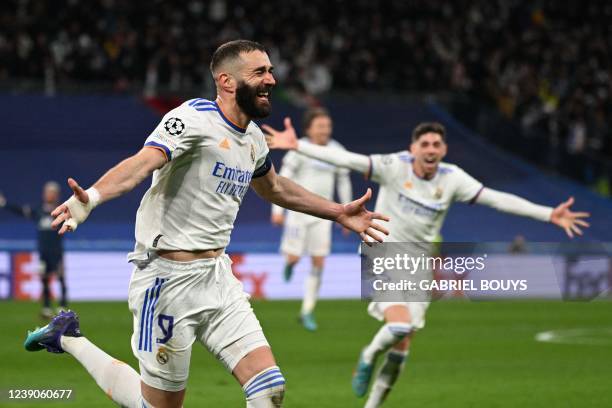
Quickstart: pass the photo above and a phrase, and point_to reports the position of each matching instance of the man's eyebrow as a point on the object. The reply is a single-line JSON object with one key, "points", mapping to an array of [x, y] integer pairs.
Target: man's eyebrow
{"points": [[263, 68]]}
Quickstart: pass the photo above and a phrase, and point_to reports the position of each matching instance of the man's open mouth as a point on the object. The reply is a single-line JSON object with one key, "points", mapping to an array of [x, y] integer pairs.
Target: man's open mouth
{"points": [[263, 96]]}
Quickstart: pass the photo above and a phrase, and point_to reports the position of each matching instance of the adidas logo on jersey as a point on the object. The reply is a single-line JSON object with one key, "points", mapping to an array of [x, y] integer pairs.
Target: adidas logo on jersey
{"points": [[224, 144]]}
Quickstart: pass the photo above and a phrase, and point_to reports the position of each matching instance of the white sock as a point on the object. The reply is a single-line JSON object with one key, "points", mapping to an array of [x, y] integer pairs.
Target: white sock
{"points": [[387, 336], [385, 378], [266, 389], [311, 290], [117, 379]]}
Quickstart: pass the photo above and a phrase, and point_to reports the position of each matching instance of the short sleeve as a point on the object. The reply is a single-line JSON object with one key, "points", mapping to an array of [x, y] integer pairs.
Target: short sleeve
{"points": [[467, 187], [175, 134], [383, 167]]}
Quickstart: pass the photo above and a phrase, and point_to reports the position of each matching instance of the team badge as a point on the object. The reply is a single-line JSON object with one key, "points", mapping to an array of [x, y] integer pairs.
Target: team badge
{"points": [[174, 127], [438, 193], [162, 357], [252, 153]]}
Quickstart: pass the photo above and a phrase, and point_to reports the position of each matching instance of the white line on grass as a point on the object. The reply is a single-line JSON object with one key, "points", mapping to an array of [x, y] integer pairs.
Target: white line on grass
{"points": [[589, 337]]}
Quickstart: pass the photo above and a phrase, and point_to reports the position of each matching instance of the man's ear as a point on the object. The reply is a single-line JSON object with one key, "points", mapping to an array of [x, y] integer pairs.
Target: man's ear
{"points": [[226, 82]]}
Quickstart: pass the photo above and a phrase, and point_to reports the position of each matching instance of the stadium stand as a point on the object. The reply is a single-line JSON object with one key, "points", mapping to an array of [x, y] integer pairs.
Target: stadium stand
{"points": [[552, 80]]}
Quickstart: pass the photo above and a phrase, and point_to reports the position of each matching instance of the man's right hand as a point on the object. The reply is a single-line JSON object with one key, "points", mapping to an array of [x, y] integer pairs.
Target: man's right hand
{"points": [[281, 139], [357, 218], [73, 211], [277, 219]]}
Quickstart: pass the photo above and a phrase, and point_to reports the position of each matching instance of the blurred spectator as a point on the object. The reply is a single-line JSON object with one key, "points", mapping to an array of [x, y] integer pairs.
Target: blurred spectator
{"points": [[518, 245]]}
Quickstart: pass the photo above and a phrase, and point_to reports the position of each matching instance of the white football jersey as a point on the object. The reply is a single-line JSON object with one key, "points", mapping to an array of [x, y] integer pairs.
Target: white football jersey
{"points": [[194, 198], [417, 207], [316, 176]]}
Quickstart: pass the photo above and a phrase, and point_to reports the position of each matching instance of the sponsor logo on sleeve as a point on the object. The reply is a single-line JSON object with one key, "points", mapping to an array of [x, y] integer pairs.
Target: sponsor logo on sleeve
{"points": [[166, 140]]}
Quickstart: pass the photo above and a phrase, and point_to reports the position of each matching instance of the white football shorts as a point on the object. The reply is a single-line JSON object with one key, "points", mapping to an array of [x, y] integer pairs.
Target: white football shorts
{"points": [[311, 237], [177, 303]]}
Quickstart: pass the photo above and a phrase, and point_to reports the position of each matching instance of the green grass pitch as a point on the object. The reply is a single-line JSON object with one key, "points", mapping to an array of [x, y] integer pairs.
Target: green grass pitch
{"points": [[470, 354]]}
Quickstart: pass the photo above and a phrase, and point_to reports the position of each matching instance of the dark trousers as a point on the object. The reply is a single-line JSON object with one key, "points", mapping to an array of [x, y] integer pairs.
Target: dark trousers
{"points": [[55, 267]]}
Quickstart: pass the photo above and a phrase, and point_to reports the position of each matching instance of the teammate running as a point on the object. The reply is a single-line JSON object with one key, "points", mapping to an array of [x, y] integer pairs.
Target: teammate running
{"points": [[304, 234], [203, 157], [416, 190]]}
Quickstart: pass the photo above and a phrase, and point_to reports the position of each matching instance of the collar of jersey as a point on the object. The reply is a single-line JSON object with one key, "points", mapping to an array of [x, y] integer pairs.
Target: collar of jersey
{"points": [[229, 122], [422, 178]]}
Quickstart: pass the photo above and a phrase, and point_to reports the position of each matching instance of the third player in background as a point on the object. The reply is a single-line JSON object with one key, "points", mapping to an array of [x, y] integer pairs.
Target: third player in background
{"points": [[302, 233]]}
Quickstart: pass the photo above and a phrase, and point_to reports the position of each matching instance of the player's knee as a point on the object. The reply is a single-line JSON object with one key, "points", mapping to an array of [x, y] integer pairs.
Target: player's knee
{"points": [[399, 330], [154, 397], [403, 345], [266, 389], [318, 262], [141, 402], [292, 259]]}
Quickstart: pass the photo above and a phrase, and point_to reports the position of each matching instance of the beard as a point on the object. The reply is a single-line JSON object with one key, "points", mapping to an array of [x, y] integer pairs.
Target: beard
{"points": [[246, 98]]}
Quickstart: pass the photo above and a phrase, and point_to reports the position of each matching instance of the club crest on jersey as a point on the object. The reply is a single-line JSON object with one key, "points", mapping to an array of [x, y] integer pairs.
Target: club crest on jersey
{"points": [[252, 153], [174, 127], [438, 193], [162, 356]]}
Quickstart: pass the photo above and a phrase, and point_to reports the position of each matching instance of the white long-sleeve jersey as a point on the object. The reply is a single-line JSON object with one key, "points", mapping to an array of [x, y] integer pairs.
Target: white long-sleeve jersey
{"points": [[418, 207], [317, 176]]}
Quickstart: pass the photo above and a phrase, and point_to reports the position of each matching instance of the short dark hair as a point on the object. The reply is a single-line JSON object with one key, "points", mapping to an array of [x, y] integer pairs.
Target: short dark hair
{"points": [[311, 114], [231, 50], [429, 127]]}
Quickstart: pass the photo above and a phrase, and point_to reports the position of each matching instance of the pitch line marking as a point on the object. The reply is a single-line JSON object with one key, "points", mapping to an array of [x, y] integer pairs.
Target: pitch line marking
{"points": [[587, 337]]}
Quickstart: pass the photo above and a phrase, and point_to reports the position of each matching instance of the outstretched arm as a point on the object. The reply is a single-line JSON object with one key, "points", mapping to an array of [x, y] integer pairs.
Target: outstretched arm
{"points": [[354, 216], [561, 216], [117, 181], [287, 140]]}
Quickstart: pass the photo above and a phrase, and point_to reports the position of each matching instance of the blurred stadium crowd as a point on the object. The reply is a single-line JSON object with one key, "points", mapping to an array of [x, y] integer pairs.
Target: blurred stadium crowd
{"points": [[546, 65]]}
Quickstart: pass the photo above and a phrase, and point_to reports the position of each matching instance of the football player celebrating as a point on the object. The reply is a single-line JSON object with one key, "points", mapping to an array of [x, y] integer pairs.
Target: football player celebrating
{"points": [[203, 156], [416, 190]]}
